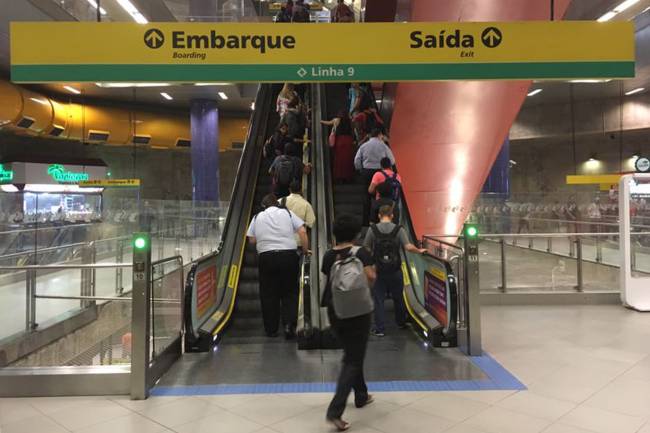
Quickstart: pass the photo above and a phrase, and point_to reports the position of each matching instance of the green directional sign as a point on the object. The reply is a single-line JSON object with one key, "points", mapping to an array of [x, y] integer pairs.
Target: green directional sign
{"points": [[6, 176]]}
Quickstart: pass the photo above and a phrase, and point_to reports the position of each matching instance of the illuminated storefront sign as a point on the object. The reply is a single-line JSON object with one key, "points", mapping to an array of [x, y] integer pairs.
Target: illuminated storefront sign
{"points": [[61, 175], [6, 176]]}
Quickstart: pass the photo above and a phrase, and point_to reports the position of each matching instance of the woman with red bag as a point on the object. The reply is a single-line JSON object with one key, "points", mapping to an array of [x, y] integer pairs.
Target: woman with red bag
{"points": [[341, 142]]}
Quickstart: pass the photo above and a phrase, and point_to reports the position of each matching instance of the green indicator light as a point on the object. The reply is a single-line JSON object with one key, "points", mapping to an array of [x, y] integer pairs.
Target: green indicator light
{"points": [[471, 231], [140, 243]]}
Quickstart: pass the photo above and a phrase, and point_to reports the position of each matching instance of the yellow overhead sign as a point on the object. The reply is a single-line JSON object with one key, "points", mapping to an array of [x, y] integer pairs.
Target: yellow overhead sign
{"points": [[326, 52], [111, 183], [593, 179]]}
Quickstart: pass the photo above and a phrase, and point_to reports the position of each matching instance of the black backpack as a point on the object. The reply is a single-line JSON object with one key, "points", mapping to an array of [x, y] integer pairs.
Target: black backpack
{"points": [[395, 186], [285, 171], [301, 14], [371, 122], [283, 16], [367, 99], [386, 250], [296, 122]]}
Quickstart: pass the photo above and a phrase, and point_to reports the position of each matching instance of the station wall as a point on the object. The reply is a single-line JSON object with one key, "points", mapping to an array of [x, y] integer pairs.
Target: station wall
{"points": [[551, 141], [165, 173]]}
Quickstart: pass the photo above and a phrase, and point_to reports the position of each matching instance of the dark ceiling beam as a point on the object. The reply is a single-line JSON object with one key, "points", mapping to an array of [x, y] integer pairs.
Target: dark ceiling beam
{"points": [[154, 10], [52, 10]]}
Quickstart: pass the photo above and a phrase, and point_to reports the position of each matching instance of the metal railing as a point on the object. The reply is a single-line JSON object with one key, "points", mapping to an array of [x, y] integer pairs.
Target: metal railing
{"points": [[87, 290], [572, 261]]}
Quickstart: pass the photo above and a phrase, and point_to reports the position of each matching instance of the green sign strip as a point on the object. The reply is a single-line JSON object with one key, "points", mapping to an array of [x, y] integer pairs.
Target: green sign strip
{"points": [[6, 176], [322, 73]]}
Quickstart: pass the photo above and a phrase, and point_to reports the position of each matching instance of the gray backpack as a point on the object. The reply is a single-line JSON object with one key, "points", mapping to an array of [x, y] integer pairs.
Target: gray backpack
{"points": [[350, 290]]}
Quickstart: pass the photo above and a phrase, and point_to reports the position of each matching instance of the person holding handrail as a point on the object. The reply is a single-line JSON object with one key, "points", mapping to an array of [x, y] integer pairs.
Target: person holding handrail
{"points": [[272, 232], [385, 240]]}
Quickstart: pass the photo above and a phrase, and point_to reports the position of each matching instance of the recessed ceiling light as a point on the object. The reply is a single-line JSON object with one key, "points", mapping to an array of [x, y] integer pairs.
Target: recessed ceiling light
{"points": [[133, 11], [93, 3], [535, 92], [124, 85], [72, 89], [617, 10], [223, 96], [625, 5], [166, 96], [635, 91], [40, 101], [606, 17], [589, 81]]}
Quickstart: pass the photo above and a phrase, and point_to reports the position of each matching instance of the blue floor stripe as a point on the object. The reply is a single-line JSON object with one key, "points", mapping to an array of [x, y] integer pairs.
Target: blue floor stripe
{"points": [[498, 379]]}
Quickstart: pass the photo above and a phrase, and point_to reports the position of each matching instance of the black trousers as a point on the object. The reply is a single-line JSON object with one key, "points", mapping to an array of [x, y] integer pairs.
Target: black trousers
{"points": [[279, 273], [367, 175], [353, 334]]}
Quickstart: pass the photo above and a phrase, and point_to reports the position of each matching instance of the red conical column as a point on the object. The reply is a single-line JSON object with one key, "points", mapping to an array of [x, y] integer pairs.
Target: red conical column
{"points": [[446, 135]]}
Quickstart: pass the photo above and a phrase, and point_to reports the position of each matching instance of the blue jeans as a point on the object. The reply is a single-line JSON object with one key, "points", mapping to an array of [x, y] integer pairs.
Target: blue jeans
{"points": [[393, 283]]}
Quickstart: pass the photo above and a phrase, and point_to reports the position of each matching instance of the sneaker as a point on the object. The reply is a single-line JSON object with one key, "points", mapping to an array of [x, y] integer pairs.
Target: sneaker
{"points": [[377, 333]]}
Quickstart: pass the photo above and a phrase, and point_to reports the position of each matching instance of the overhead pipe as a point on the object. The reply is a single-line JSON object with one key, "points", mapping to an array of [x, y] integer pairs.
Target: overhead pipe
{"points": [[30, 113]]}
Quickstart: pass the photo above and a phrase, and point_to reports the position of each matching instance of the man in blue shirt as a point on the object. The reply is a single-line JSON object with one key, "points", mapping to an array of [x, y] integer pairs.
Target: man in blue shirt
{"points": [[368, 161]]}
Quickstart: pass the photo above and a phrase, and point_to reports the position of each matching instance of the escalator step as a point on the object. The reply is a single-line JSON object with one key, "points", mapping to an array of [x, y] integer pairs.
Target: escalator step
{"points": [[245, 323], [250, 259], [248, 306], [250, 273], [248, 289], [354, 209]]}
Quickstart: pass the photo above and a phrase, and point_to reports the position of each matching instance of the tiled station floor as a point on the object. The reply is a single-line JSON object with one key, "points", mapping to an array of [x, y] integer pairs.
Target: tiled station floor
{"points": [[586, 369]]}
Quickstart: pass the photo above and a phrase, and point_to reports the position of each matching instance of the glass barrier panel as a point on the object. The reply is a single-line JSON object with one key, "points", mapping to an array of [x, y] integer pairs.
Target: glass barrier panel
{"points": [[640, 254], [609, 250], [529, 269], [489, 265], [417, 266], [166, 304], [13, 299], [600, 277]]}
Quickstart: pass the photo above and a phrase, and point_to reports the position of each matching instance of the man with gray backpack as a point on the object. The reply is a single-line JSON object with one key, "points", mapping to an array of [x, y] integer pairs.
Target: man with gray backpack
{"points": [[350, 274], [386, 240]]}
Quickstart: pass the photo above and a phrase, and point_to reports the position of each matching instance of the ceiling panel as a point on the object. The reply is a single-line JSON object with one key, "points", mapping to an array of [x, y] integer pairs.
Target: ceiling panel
{"points": [[240, 96]]}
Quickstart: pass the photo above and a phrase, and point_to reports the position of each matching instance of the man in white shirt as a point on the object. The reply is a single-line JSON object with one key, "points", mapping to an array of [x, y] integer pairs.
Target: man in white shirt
{"points": [[272, 232]]}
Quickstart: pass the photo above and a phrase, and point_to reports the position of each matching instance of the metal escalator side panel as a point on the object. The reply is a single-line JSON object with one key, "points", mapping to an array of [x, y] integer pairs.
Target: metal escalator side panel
{"points": [[230, 255], [311, 281], [325, 203], [409, 298]]}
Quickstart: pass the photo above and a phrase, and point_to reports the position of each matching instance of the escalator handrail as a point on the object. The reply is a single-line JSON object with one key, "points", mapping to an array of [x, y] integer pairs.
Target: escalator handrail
{"points": [[407, 223], [235, 223]]}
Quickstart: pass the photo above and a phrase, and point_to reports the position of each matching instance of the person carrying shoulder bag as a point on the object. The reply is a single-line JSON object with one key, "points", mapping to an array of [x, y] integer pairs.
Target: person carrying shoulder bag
{"points": [[350, 273]]}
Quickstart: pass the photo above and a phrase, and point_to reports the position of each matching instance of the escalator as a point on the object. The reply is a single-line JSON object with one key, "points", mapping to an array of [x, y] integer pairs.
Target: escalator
{"points": [[348, 198], [223, 321], [231, 315], [222, 294]]}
